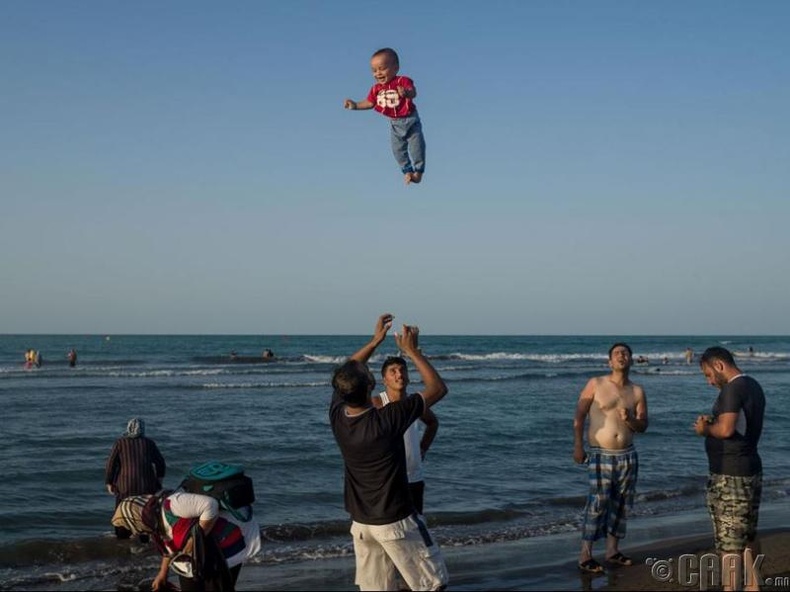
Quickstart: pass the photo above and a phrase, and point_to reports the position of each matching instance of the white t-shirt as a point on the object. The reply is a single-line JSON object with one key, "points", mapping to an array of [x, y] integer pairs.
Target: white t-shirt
{"points": [[411, 441], [203, 507]]}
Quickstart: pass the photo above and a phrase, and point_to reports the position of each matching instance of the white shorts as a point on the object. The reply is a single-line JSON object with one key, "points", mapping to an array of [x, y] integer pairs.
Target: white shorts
{"points": [[406, 545]]}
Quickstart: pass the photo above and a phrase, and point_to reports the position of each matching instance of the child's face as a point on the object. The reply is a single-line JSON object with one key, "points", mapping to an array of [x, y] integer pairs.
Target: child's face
{"points": [[384, 68]]}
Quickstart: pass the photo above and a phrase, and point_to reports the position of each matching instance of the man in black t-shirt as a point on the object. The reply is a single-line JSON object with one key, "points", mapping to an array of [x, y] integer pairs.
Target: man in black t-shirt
{"points": [[735, 468], [387, 531]]}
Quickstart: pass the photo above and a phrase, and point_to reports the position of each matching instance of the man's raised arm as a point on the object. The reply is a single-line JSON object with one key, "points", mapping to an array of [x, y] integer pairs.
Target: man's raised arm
{"points": [[383, 325], [434, 387]]}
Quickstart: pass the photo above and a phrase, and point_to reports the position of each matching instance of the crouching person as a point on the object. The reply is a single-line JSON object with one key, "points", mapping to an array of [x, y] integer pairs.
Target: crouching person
{"points": [[204, 545]]}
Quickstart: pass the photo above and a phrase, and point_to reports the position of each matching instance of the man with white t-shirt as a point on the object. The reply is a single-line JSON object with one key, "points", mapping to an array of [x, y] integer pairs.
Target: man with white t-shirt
{"points": [[395, 376]]}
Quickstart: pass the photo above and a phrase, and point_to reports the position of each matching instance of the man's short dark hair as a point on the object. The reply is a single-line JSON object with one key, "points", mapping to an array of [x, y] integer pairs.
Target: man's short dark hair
{"points": [[620, 344], [389, 52], [352, 381], [393, 361], [717, 353]]}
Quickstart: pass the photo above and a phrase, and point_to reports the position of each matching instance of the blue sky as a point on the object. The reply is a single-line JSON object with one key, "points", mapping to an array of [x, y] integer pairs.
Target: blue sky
{"points": [[592, 168]]}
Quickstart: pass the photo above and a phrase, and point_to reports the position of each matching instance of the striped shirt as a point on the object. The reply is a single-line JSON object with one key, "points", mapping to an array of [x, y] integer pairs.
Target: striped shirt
{"points": [[135, 467]]}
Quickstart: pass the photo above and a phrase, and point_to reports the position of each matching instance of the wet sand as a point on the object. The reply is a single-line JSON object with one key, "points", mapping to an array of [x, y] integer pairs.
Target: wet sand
{"points": [[646, 575], [549, 563], [494, 569]]}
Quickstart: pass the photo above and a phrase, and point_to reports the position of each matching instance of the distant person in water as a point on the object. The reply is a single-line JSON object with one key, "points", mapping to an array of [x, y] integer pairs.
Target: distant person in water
{"points": [[72, 357], [33, 358], [135, 467], [689, 355], [267, 353], [616, 409]]}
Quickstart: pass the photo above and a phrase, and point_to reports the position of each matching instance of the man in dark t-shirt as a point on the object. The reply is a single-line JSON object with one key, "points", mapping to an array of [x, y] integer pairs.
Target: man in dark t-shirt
{"points": [[735, 468], [387, 531]]}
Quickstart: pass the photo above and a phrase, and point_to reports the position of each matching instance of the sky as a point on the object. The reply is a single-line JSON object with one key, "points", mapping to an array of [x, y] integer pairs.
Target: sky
{"points": [[607, 167]]}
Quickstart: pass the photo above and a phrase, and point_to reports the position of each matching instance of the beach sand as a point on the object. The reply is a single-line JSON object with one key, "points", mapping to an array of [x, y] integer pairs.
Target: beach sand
{"points": [[494, 569], [775, 568], [549, 562]]}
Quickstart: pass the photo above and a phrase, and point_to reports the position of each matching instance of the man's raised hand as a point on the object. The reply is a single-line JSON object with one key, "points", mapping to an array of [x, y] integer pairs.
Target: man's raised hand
{"points": [[383, 325], [408, 340]]}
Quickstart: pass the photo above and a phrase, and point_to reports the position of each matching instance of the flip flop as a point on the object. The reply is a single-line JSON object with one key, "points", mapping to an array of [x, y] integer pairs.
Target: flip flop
{"points": [[619, 559], [591, 566]]}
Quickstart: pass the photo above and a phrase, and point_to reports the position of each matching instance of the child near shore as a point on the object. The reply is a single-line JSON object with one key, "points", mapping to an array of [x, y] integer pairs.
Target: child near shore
{"points": [[393, 96]]}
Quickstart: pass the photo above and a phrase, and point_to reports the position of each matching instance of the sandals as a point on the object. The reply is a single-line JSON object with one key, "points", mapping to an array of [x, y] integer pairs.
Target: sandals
{"points": [[619, 559], [591, 566]]}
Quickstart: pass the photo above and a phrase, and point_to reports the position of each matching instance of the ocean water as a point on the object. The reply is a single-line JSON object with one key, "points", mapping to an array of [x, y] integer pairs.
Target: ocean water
{"points": [[499, 470]]}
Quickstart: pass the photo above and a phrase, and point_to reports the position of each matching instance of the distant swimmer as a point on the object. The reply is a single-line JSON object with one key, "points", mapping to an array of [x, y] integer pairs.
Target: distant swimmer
{"points": [[393, 96], [689, 355], [267, 353], [72, 357]]}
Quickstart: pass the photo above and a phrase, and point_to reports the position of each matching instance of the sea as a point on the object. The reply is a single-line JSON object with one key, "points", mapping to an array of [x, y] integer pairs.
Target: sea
{"points": [[500, 469]]}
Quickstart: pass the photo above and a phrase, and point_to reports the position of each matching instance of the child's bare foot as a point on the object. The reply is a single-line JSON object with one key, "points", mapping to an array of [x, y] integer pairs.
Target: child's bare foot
{"points": [[408, 177], [416, 177]]}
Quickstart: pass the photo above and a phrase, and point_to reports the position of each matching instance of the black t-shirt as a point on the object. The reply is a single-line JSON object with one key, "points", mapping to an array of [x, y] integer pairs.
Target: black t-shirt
{"points": [[376, 482], [737, 455]]}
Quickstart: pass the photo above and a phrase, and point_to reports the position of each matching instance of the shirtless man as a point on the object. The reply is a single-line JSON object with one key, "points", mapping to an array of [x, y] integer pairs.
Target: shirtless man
{"points": [[617, 408]]}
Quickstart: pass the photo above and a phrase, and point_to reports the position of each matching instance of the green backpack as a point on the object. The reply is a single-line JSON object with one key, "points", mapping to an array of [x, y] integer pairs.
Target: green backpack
{"points": [[224, 482]]}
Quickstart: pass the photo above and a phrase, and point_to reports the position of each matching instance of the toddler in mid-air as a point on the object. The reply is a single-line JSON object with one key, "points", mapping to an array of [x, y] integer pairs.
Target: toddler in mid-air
{"points": [[393, 96]]}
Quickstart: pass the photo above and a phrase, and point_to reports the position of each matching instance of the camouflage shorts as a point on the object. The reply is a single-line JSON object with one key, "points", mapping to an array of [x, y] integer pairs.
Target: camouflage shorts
{"points": [[734, 506]]}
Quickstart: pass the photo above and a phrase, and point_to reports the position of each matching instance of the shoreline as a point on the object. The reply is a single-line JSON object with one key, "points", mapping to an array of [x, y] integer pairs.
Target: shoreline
{"points": [[534, 563], [549, 563]]}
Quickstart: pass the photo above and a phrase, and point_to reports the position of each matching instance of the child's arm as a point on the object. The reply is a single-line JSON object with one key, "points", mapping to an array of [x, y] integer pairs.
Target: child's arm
{"points": [[358, 105], [407, 92], [406, 88]]}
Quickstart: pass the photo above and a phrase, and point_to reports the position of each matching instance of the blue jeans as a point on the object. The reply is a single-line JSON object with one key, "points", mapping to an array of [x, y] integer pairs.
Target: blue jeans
{"points": [[406, 138]]}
